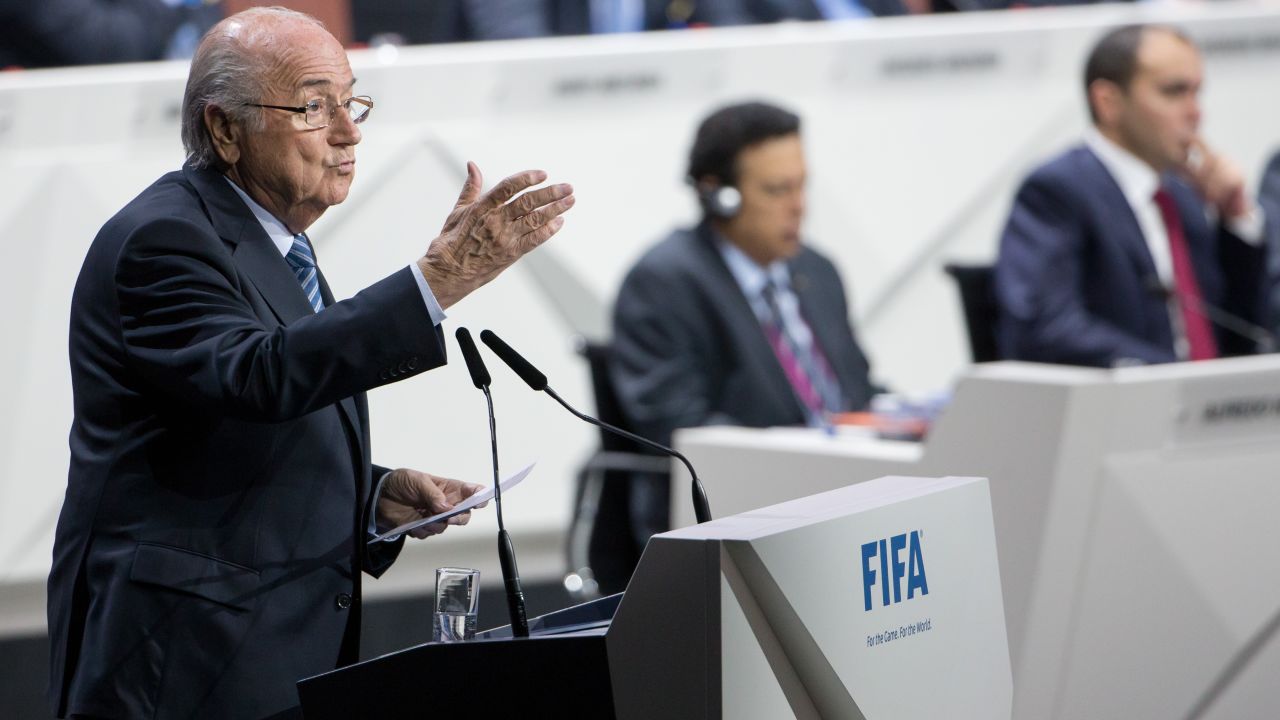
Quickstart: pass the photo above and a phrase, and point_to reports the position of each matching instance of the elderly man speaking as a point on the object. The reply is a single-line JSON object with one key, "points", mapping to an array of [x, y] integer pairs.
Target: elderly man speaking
{"points": [[221, 492]]}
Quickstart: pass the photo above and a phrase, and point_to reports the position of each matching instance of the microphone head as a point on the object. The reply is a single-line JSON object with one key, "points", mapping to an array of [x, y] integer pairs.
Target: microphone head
{"points": [[527, 372], [479, 373]]}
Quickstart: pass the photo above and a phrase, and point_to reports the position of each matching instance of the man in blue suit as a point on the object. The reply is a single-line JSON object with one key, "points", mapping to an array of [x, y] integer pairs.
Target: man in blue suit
{"points": [[1133, 246], [221, 489]]}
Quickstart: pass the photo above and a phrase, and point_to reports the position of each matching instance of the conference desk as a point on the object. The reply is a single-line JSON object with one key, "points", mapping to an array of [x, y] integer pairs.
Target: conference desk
{"points": [[1135, 523], [748, 617]]}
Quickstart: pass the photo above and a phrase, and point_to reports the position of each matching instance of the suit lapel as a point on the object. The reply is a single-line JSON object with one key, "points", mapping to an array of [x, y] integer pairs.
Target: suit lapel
{"points": [[1125, 229], [1202, 242], [253, 252], [348, 404], [260, 260], [813, 309], [755, 351]]}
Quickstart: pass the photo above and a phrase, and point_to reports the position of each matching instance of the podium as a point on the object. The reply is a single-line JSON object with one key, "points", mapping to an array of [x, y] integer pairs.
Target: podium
{"points": [[1135, 520], [877, 600]]}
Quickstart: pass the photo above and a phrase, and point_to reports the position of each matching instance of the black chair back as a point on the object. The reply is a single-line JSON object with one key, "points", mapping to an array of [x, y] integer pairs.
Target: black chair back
{"points": [[608, 408], [602, 549], [976, 284]]}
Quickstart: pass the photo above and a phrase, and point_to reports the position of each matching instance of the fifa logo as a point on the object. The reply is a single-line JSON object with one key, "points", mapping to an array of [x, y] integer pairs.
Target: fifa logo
{"points": [[885, 567]]}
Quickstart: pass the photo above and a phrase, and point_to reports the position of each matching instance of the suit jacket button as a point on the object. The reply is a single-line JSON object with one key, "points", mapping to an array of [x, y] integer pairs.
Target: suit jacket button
{"points": [[343, 601], [382, 374], [404, 367], [413, 363]]}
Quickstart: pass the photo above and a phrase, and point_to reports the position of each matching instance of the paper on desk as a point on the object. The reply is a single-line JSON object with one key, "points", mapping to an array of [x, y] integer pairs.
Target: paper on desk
{"points": [[480, 497]]}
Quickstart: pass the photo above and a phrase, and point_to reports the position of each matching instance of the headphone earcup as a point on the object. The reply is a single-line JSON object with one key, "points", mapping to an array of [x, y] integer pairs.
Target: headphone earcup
{"points": [[723, 202]]}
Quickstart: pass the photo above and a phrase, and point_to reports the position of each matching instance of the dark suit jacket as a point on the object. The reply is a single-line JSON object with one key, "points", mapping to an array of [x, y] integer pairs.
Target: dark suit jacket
{"points": [[1269, 188], [1269, 199], [210, 545], [1075, 282], [511, 19], [76, 32], [507, 19], [689, 351], [742, 12]]}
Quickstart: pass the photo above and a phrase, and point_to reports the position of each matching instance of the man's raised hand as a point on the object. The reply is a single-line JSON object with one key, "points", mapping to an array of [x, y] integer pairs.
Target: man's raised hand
{"points": [[487, 232]]}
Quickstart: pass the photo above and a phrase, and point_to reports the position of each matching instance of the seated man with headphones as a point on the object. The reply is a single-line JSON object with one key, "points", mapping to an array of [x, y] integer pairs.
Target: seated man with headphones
{"points": [[735, 321]]}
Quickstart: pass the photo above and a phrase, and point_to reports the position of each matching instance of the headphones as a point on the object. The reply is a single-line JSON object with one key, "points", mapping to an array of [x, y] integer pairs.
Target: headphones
{"points": [[722, 201]]}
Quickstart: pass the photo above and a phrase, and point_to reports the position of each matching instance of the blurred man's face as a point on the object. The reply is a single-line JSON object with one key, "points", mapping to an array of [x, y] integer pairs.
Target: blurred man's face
{"points": [[771, 177], [1159, 115], [297, 171]]}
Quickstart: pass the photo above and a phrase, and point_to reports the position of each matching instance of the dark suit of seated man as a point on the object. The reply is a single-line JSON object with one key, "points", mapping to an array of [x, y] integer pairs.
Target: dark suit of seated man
{"points": [[221, 490], [735, 321], [1122, 249], [508, 19], [1269, 199]]}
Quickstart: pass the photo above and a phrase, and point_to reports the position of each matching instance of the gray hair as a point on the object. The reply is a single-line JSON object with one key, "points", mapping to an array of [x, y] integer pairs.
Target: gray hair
{"points": [[228, 71]]}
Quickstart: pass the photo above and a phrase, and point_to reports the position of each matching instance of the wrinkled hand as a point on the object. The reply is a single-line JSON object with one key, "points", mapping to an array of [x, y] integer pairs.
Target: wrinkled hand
{"points": [[485, 233], [1218, 180], [409, 495]]}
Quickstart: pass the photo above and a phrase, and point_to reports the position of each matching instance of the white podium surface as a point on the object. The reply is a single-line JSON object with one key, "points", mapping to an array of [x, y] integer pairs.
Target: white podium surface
{"points": [[1134, 513], [875, 600]]}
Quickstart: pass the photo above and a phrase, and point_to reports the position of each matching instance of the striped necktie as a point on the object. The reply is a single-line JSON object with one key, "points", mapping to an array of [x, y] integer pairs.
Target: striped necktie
{"points": [[303, 263], [806, 367]]}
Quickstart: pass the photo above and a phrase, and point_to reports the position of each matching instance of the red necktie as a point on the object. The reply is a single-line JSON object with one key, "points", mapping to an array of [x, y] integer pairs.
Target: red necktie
{"points": [[1200, 338]]}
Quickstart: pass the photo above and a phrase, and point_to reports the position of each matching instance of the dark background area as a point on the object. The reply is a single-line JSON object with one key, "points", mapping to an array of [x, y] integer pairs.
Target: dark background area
{"points": [[389, 625], [414, 21]]}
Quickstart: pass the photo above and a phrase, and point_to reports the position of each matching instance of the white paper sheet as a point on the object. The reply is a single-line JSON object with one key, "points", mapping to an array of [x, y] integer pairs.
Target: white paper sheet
{"points": [[480, 497]]}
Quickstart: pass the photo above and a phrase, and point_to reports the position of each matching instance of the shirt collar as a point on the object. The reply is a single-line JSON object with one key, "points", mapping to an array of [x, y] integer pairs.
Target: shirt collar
{"points": [[279, 234], [1136, 179], [750, 275]]}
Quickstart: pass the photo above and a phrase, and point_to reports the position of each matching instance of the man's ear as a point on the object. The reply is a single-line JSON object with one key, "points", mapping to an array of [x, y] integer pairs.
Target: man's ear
{"points": [[1107, 100], [225, 132]]}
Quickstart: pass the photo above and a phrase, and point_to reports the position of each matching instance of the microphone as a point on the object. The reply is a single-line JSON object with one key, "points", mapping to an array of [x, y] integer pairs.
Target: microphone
{"points": [[538, 381], [471, 355], [506, 554], [1263, 339]]}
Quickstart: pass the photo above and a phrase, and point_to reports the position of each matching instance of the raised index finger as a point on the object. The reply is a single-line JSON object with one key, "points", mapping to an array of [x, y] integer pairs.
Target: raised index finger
{"points": [[508, 188]]}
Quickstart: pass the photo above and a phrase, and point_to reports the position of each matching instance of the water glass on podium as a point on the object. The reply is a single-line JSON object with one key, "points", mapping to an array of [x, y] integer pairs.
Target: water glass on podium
{"points": [[457, 599]]}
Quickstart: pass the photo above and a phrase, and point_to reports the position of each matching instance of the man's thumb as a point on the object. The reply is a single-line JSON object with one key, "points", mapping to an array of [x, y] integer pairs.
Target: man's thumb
{"points": [[470, 187]]}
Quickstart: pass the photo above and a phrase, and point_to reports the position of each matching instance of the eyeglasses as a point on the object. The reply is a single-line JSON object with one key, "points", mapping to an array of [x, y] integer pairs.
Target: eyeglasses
{"points": [[319, 113]]}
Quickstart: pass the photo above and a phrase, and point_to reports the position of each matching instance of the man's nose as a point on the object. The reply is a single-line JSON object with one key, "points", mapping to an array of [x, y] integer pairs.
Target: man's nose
{"points": [[343, 130]]}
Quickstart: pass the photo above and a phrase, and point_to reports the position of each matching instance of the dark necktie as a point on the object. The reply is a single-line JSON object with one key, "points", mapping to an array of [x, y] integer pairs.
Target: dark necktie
{"points": [[1200, 340], [304, 267]]}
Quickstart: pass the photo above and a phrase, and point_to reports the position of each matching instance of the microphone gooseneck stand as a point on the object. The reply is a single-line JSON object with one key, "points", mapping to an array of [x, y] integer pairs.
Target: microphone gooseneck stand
{"points": [[506, 553], [538, 381]]}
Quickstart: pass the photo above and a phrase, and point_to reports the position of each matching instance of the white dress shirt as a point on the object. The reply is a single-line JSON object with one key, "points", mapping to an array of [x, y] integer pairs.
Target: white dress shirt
{"points": [[1139, 182], [283, 240], [752, 278]]}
